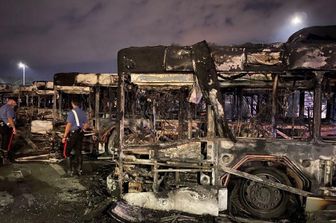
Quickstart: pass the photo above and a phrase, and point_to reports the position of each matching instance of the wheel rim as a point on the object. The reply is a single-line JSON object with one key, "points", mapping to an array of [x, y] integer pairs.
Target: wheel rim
{"points": [[262, 198]]}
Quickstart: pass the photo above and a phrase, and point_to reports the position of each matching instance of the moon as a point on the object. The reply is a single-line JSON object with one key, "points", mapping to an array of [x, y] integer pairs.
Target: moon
{"points": [[296, 20]]}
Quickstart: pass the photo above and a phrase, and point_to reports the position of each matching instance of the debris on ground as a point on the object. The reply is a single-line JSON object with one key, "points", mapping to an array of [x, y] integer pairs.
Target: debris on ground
{"points": [[99, 197], [45, 158], [5, 199], [15, 176]]}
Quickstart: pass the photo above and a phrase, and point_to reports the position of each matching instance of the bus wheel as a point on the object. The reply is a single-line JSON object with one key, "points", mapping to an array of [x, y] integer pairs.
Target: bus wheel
{"points": [[262, 201]]}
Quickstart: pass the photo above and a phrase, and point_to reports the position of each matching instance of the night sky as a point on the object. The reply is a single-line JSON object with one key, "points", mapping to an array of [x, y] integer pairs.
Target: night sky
{"points": [[85, 35]]}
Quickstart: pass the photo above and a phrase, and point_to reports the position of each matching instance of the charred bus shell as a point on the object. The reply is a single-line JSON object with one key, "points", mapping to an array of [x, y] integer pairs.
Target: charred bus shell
{"points": [[277, 101]]}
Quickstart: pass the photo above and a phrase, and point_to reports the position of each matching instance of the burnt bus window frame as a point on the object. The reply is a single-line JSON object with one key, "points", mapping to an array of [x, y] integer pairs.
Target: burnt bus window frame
{"points": [[153, 109], [327, 130]]}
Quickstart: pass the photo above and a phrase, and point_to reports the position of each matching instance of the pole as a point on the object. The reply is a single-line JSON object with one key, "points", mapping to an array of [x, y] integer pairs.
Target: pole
{"points": [[274, 103], [24, 75]]}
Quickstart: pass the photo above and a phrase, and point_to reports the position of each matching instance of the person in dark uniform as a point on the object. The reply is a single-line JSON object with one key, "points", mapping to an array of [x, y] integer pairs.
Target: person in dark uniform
{"points": [[7, 129], [73, 138]]}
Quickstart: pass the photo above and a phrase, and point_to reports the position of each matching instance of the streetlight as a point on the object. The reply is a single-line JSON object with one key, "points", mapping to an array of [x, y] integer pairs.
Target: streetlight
{"points": [[23, 67]]}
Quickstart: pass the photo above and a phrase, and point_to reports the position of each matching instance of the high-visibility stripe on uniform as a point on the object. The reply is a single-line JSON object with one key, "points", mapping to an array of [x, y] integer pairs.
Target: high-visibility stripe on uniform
{"points": [[76, 117]]}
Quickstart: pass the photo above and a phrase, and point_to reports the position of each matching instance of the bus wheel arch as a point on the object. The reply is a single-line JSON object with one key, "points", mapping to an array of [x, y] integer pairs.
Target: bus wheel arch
{"points": [[247, 195]]}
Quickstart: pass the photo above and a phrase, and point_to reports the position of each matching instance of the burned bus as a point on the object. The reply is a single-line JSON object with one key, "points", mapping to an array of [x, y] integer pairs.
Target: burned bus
{"points": [[98, 95], [251, 126], [35, 101], [33, 115], [5, 91]]}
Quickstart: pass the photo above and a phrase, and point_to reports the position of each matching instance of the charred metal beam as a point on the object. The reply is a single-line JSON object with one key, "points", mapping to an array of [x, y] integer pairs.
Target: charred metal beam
{"points": [[180, 170], [121, 117], [317, 106], [274, 103], [301, 110], [210, 122], [59, 105], [90, 109], [97, 103], [189, 117], [181, 116], [205, 71], [156, 182]]}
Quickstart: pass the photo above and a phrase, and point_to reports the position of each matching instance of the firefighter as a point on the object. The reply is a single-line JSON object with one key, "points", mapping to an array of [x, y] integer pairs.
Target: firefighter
{"points": [[7, 129], [77, 122]]}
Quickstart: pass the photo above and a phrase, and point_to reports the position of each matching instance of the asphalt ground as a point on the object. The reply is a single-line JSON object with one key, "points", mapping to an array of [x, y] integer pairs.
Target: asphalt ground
{"points": [[38, 192]]}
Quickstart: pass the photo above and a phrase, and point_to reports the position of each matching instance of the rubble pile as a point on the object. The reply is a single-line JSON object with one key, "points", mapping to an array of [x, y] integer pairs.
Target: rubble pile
{"points": [[99, 197], [104, 204]]}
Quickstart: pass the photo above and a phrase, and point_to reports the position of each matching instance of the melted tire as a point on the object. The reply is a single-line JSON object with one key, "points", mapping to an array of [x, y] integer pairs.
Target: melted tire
{"points": [[251, 199]]}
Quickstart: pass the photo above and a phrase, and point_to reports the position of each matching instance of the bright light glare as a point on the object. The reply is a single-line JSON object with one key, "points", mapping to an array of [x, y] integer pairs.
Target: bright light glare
{"points": [[22, 65], [296, 20], [293, 22]]}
